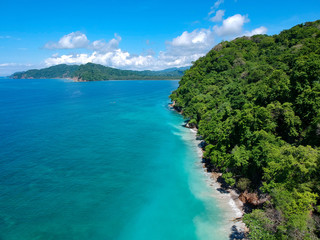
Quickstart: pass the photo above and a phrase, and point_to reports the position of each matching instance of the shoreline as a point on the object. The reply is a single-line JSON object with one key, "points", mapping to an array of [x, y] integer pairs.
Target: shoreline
{"points": [[74, 79], [227, 199]]}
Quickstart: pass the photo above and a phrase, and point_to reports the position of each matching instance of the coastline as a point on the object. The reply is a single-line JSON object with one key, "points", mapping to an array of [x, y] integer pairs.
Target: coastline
{"points": [[227, 199], [75, 79]]}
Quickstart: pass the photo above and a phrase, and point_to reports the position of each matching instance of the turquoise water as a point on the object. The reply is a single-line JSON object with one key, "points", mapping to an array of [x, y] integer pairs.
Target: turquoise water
{"points": [[99, 160]]}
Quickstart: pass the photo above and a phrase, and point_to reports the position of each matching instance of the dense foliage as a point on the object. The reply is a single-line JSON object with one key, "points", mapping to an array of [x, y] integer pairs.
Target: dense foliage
{"points": [[256, 102], [58, 71], [97, 72]]}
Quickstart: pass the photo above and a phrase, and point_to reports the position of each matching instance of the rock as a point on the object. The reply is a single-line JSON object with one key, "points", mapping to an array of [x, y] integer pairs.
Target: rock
{"points": [[218, 47], [173, 104], [190, 125], [199, 137], [251, 198], [175, 107]]}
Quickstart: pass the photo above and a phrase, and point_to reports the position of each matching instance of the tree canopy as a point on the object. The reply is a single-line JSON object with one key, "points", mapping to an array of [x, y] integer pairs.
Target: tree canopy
{"points": [[97, 72], [256, 102]]}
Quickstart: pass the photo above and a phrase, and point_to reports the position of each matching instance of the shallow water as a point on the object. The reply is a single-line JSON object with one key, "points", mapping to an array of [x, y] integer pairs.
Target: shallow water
{"points": [[100, 160]]}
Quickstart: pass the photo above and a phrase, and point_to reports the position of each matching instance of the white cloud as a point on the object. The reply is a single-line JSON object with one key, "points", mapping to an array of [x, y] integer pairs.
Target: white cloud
{"points": [[81, 58], [79, 40], [125, 60], [218, 3], [198, 41], [260, 30], [215, 6], [180, 51], [69, 41], [218, 17], [231, 26], [103, 46]]}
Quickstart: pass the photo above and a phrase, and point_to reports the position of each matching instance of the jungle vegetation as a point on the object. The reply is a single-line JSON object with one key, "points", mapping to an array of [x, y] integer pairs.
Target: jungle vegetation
{"points": [[256, 103], [97, 72]]}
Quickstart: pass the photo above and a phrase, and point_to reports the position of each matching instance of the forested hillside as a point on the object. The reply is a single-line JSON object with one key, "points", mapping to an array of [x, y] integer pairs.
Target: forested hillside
{"points": [[97, 72], [256, 103], [94, 72], [58, 71]]}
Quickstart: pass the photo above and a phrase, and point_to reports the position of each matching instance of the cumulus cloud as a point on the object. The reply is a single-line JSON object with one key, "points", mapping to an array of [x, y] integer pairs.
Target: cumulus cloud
{"points": [[198, 41], [195, 38], [117, 58], [231, 26], [103, 46], [180, 51], [69, 41], [218, 17], [123, 59], [260, 30]]}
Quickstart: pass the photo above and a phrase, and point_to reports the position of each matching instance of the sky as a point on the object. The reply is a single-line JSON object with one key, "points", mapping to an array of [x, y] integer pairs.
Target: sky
{"points": [[136, 35]]}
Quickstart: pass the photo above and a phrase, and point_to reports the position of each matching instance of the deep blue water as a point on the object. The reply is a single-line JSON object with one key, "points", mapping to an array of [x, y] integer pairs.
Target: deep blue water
{"points": [[99, 160]]}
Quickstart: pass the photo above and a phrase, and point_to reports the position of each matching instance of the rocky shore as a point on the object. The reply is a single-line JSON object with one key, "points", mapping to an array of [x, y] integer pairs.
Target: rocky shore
{"points": [[230, 200]]}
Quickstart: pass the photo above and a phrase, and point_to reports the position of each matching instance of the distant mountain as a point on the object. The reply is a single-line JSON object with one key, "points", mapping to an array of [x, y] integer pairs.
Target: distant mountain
{"points": [[97, 72], [181, 69]]}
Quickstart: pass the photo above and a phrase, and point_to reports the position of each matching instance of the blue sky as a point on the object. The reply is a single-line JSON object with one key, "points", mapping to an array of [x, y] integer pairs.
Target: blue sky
{"points": [[134, 34]]}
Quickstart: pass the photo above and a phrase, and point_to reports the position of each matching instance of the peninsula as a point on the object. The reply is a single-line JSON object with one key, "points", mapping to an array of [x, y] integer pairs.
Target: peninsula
{"points": [[97, 72]]}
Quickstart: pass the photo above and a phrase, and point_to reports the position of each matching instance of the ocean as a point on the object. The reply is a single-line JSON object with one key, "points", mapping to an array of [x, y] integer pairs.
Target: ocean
{"points": [[100, 160]]}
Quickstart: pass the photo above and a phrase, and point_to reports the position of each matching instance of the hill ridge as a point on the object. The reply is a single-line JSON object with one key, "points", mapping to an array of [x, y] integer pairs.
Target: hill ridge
{"points": [[98, 72]]}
